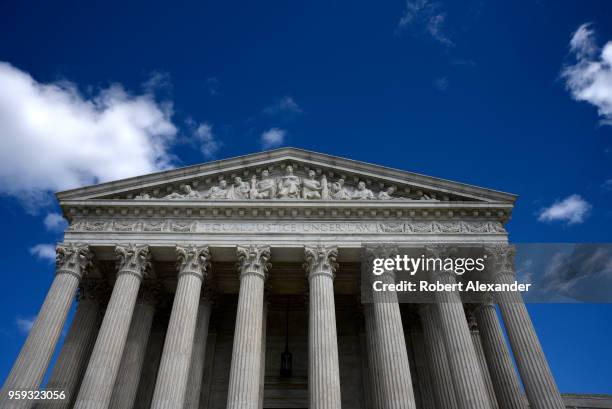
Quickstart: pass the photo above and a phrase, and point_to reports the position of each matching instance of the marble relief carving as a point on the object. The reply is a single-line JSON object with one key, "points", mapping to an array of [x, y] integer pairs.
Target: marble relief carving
{"points": [[286, 185], [175, 226]]}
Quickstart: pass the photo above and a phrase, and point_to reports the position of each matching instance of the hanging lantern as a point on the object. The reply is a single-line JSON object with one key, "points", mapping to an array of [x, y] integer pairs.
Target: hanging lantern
{"points": [[286, 366]]}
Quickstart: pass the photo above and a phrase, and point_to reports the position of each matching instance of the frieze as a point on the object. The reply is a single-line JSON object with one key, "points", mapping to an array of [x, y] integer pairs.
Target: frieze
{"points": [[396, 227]]}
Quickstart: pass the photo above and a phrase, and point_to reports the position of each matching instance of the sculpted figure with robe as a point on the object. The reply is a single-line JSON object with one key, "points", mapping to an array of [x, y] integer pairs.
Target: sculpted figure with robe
{"points": [[339, 191], [386, 194], [311, 188], [219, 192], [240, 189], [265, 188], [289, 185], [362, 192]]}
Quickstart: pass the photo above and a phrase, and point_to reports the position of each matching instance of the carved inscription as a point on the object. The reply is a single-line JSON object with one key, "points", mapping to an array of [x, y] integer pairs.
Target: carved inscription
{"points": [[177, 226]]}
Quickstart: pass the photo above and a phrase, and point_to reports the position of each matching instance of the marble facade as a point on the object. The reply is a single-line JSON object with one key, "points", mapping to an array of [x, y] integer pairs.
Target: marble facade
{"points": [[194, 284]]}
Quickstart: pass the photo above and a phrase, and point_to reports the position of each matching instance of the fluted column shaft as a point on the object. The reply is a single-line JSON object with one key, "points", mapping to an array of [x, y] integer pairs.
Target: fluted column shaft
{"points": [[245, 372], [470, 389], [501, 368], [171, 384], [33, 359], [484, 369], [373, 357], [262, 368], [128, 378], [421, 378], [394, 369], [99, 380], [540, 386], [444, 391], [323, 366], [198, 354], [72, 359]]}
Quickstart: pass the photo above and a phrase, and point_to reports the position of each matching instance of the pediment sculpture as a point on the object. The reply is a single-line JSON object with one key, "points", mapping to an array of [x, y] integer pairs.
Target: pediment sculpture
{"points": [[284, 186]]}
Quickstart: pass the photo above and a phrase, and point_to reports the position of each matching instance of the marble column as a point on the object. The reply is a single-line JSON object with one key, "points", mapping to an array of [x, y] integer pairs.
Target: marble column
{"points": [[262, 368], [540, 386], [198, 354], [134, 262], [27, 372], [323, 366], [471, 319], [393, 366], [376, 388], [146, 386], [444, 391], [504, 377], [128, 377], [245, 370], [470, 389], [171, 383], [417, 356], [72, 359]]}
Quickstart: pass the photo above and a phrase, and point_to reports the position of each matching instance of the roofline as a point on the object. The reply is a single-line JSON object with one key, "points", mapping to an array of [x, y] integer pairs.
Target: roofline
{"points": [[236, 161]]}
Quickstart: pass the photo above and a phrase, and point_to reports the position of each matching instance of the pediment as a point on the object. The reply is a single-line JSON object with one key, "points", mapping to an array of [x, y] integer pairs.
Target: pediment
{"points": [[286, 174]]}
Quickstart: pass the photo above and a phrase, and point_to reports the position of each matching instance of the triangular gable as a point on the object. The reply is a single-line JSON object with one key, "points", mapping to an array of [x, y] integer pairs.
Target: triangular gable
{"points": [[286, 173]]}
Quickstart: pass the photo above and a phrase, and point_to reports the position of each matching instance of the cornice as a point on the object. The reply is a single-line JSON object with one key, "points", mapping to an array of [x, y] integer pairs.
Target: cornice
{"points": [[286, 209]]}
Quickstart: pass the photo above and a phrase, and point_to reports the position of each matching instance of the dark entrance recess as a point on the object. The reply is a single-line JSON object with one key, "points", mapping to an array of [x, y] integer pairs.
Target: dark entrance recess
{"points": [[286, 367]]}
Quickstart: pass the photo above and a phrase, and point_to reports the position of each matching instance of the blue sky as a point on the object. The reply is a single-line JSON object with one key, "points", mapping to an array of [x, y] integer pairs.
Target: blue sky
{"points": [[515, 96]]}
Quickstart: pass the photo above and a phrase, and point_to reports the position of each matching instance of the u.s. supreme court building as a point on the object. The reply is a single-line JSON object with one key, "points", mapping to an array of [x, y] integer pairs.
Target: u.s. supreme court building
{"points": [[236, 284]]}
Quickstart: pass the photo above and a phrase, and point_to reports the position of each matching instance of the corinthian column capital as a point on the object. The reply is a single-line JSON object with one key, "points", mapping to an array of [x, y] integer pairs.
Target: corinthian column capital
{"points": [[194, 260], [133, 259], [253, 260], [73, 258], [380, 251], [441, 252], [320, 259], [500, 257]]}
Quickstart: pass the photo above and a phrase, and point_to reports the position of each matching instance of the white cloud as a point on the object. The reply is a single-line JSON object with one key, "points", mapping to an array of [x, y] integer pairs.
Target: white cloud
{"points": [[428, 16], [55, 222], [582, 43], [212, 84], [25, 324], [209, 144], [158, 81], [441, 84], [572, 210], [44, 252], [607, 185], [54, 138], [285, 105], [272, 138], [524, 272], [589, 79]]}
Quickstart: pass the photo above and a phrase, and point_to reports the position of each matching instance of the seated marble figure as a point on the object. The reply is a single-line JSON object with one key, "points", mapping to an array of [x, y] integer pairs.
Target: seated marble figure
{"points": [[362, 192]]}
